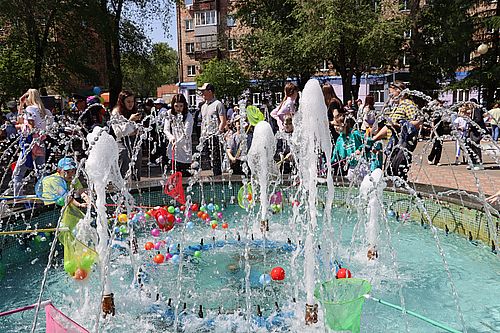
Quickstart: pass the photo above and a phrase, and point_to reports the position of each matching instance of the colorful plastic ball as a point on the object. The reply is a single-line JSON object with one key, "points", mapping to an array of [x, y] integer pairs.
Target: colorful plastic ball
{"points": [[168, 256], [265, 279], [147, 216], [199, 214], [210, 206], [175, 258], [97, 90], [405, 216], [197, 254], [177, 210], [391, 213], [214, 225], [87, 262], [343, 273], [217, 207], [194, 207], [178, 220], [116, 230], [225, 225], [161, 220], [189, 214], [149, 246], [172, 248], [158, 245], [219, 215], [295, 203], [159, 258], [122, 218], [190, 225], [80, 274], [155, 232], [249, 197], [123, 229], [70, 267], [183, 208], [278, 273], [170, 218], [203, 208], [171, 209]]}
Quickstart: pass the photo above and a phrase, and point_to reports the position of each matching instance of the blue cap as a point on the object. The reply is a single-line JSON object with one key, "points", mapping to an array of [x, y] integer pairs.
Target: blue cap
{"points": [[66, 163]]}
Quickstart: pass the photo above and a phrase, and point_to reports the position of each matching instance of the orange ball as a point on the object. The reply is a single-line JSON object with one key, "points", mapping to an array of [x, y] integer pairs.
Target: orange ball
{"points": [[149, 246], [80, 274], [249, 197], [204, 216], [199, 214], [159, 258], [214, 225], [225, 225], [344, 273]]}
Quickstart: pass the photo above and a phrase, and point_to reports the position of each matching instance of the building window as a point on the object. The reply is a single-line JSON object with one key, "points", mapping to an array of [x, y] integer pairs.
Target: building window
{"points": [[324, 66], [377, 90], [188, 3], [407, 34], [278, 96], [404, 5], [191, 70], [205, 18], [189, 48], [231, 22], [192, 97], [206, 42], [460, 95], [231, 45], [189, 24], [256, 98]]}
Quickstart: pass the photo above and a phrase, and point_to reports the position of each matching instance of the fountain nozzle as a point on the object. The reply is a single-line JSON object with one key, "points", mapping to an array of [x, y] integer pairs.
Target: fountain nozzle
{"points": [[311, 314], [108, 305]]}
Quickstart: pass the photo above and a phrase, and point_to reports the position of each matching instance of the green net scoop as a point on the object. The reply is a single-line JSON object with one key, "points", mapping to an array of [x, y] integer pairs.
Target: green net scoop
{"points": [[342, 301]]}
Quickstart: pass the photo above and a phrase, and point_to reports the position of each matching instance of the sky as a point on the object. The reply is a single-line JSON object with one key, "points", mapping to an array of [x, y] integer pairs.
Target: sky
{"points": [[157, 34]]}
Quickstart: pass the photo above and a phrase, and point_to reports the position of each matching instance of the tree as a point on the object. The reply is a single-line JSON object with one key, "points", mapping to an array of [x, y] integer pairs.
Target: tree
{"points": [[15, 72], [143, 73], [227, 77], [441, 36]]}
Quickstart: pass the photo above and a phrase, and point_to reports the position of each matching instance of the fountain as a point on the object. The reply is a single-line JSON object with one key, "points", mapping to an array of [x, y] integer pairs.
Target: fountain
{"points": [[211, 266]]}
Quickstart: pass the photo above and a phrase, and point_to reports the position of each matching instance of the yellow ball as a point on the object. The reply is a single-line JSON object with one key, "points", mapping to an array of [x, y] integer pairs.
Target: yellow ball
{"points": [[122, 218]]}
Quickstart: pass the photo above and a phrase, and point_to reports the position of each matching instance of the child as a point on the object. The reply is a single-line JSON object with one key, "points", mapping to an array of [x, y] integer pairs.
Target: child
{"points": [[460, 124], [283, 155], [287, 106]]}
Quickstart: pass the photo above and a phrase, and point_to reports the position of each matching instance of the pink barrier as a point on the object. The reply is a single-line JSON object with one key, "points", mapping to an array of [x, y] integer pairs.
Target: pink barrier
{"points": [[58, 322]]}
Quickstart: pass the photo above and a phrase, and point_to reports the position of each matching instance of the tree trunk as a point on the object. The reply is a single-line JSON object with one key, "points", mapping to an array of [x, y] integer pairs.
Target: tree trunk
{"points": [[303, 78], [355, 88]]}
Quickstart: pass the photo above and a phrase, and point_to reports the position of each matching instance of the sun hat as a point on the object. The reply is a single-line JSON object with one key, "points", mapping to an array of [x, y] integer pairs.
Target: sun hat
{"points": [[66, 163]]}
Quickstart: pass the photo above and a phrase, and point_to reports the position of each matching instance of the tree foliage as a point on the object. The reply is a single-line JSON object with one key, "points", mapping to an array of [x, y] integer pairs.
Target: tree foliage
{"points": [[227, 77], [143, 72]]}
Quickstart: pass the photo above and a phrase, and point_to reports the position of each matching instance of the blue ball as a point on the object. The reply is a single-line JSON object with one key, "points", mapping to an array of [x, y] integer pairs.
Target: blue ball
{"points": [[190, 225], [210, 206], [97, 90], [116, 230], [265, 279], [391, 213], [172, 248], [175, 259], [177, 210]]}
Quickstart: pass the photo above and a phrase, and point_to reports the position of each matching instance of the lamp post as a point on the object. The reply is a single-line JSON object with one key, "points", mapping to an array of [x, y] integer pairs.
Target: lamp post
{"points": [[481, 49]]}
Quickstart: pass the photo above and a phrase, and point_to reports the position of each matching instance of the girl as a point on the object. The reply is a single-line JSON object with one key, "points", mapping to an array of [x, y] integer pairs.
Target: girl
{"points": [[125, 123], [332, 103], [33, 118], [287, 105], [178, 129]]}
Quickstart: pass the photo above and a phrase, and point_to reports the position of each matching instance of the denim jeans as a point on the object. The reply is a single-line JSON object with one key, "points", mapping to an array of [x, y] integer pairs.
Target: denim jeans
{"points": [[495, 132], [21, 169]]}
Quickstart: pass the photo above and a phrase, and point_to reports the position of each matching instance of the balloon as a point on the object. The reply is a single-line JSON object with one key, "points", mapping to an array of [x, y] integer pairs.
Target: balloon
{"points": [[343, 273], [97, 90], [155, 232], [80, 274], [159, 258], [149, 246], [197, 254], [225, 225], [70, 266], [265, 279], [171, 209], [122, 218], [170, 218], [161, 221], [278, 273], [87, 262], [60, 201]]}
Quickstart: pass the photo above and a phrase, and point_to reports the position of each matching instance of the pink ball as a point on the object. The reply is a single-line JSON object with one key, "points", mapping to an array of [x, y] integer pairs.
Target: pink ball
{"points": [[155, 232], [189, 214], [168, 256], [161, 219], [158, 245], [219, 215], [178, 220]]}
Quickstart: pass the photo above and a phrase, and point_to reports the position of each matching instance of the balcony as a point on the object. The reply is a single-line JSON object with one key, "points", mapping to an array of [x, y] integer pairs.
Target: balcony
{"points": [[206, 54], [203, 5]]}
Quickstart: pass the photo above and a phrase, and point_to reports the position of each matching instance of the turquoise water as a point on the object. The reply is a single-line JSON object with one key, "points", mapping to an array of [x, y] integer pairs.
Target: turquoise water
{"points": [[217, 281]]}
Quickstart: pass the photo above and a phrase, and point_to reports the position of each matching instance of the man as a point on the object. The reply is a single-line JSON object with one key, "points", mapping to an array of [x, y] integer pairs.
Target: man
{"points": [[476, 128], [11, 120], [494, 115], [213, 124], [403, 123]]}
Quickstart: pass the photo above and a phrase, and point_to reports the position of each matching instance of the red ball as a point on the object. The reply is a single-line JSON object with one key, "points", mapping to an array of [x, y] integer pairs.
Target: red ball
{"points": [[159, 258], [278, 273], [183, 208], [194, 207], [343, 273], [225, 225], [80, 274], [149, 246], [214, 225], [170, 218]]}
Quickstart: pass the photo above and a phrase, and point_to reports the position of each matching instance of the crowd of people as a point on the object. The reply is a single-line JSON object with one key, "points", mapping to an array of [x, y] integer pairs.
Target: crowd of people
{"points": [[222, 134]]}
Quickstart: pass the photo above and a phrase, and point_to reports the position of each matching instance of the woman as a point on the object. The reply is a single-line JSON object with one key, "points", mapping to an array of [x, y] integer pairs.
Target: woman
{"points": [[287, 105], [178, 129], [33, 118], [125, 123], [333, 103], [367, 113]]}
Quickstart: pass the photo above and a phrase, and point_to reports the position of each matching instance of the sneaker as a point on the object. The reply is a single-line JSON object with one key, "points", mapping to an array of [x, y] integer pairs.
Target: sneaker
{"points": [[468, 167], [439, 164], [478, 167], [430, 162]]}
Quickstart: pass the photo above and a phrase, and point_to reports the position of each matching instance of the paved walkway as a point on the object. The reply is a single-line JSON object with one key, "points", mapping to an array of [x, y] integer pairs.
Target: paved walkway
{"points": [[456, 176]]}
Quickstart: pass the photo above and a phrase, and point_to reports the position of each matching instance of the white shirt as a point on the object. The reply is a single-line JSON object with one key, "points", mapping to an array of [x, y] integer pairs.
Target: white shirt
{"points": [[33, 113], [180, 132]]}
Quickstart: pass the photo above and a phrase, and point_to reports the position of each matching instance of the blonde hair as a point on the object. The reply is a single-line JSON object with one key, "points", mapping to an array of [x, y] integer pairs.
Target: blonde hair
{"points": [[34, 99]]}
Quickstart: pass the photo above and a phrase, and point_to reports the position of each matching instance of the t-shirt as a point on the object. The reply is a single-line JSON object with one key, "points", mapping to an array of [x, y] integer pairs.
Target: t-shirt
{"points": [[181, 131], [210, 113], [495, 116], [33, 113]]}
